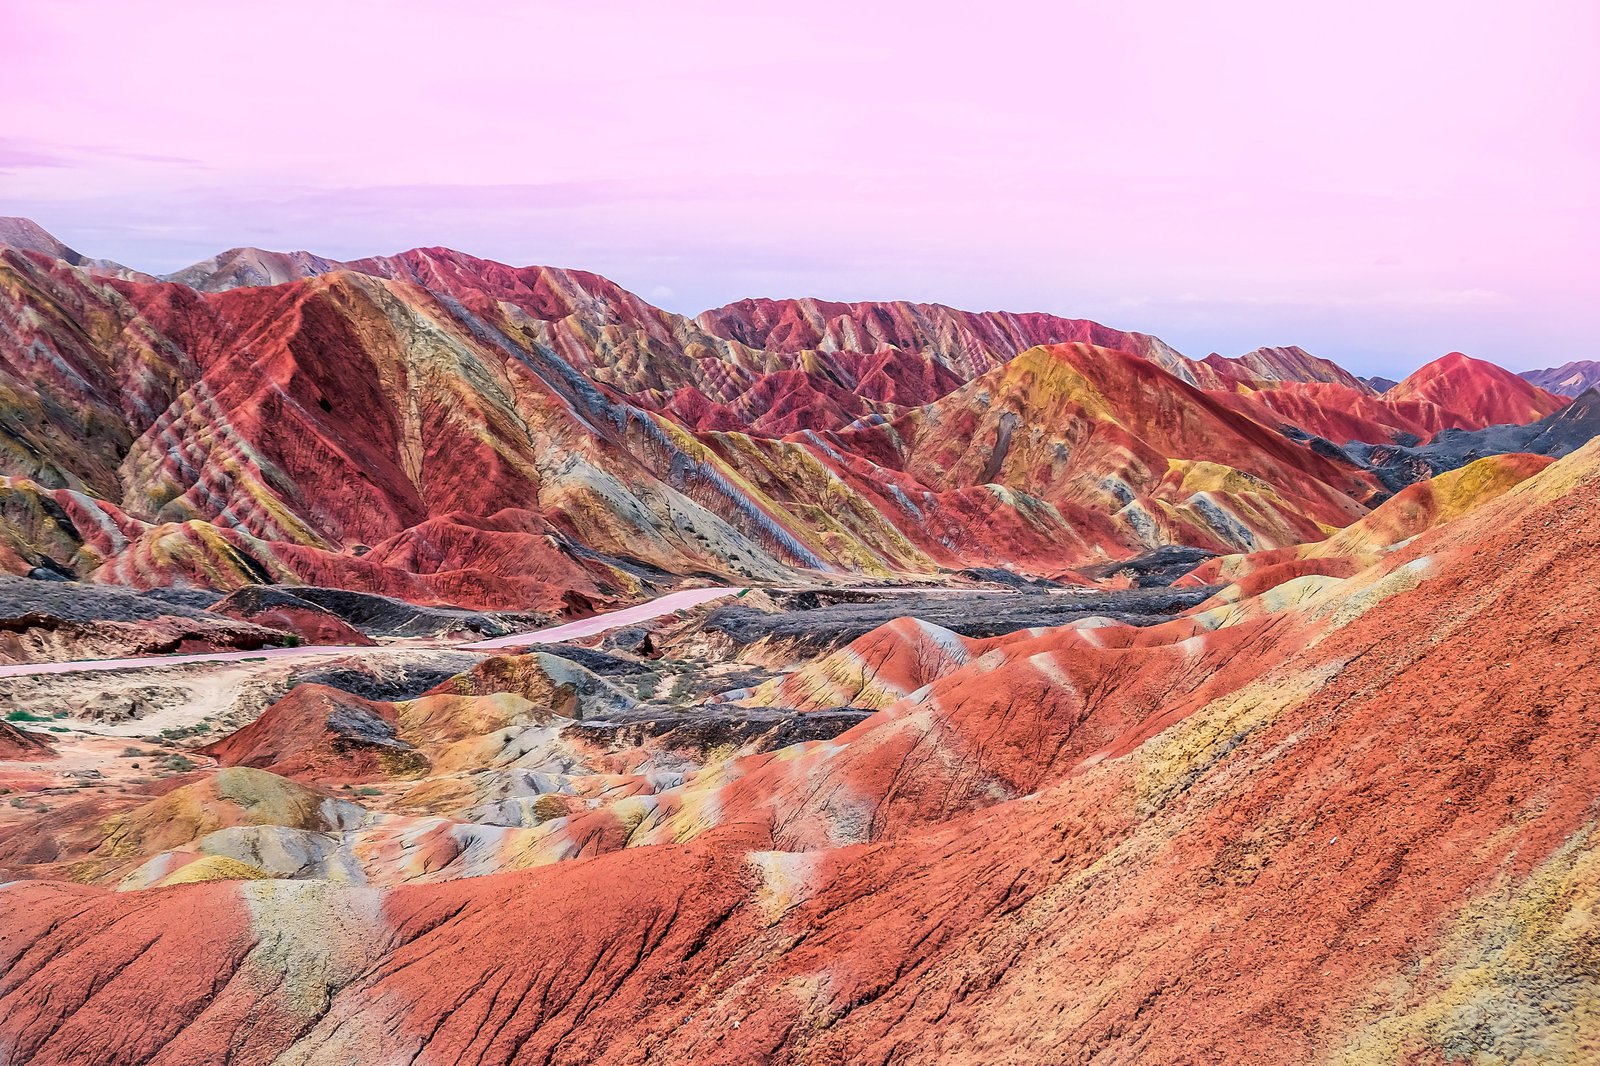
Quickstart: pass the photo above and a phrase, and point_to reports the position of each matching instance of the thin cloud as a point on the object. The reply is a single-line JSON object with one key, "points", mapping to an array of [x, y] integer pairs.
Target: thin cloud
{"points": [[18, 154]]}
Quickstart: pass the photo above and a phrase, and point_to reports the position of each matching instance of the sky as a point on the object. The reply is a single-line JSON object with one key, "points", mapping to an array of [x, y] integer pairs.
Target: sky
{"points": [[1379, 183]]}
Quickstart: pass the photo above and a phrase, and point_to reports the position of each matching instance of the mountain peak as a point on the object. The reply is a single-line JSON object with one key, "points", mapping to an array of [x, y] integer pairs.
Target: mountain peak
{"points": [[1452, 364], [1481, 392], [250, 267], [27, 235]]}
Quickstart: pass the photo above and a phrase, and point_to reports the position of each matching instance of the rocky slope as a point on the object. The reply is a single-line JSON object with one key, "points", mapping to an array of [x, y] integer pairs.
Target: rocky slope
{"points": [[1322, 821]]}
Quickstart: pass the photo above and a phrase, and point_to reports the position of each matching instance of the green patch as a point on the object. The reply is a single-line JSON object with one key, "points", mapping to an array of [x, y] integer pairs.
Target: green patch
{"points": [[184, 732]]}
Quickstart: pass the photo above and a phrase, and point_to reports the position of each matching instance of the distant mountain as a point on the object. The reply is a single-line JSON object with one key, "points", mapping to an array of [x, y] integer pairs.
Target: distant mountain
{"points": [[1569, 379], [241, 267], [1122, 450], [1268, 365], [27, 235], [1341, 413], [968, 343], [1477, 393], [1379, 385], [1451, 393]]}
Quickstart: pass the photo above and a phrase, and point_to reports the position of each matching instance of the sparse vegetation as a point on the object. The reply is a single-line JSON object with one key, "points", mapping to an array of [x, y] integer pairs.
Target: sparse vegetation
{"points": [[646, 685], [185, 732], [549, 807], [683, 688]]}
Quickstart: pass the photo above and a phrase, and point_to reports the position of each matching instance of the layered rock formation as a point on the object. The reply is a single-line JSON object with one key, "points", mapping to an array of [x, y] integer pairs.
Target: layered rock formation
{"points": [[1322, 821], [449, 430], [1320, 788]]}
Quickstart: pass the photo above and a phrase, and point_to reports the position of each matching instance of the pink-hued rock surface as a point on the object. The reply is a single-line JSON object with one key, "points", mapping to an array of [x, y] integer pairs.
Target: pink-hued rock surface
{"points": [[1296, 760]]}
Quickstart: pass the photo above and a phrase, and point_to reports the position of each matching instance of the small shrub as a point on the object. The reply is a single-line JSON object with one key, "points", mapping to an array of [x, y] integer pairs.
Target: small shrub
{"points": [[549, 807], [645, 687], [682, 688], [184, 732], [404, 763]]}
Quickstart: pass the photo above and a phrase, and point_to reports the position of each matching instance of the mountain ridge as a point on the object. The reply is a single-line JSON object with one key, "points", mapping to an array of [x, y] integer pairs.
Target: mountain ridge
{"points": [[445, 428]]}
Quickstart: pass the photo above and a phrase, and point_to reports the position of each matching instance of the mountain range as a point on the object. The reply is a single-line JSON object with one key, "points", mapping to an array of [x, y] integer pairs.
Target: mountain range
{"points": [[450, 430]]}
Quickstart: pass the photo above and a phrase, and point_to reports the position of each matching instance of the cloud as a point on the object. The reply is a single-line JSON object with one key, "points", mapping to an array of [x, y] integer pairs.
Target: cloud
{"points": [[19, 154], [1399, 298]]}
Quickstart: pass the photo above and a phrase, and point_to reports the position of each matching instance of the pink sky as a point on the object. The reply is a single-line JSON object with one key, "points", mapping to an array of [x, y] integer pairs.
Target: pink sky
{"points": [[1378, 182]]}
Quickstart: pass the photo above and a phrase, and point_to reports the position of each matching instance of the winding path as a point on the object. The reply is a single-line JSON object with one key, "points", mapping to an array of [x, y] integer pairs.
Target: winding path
{"points": [[583, 627]]}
